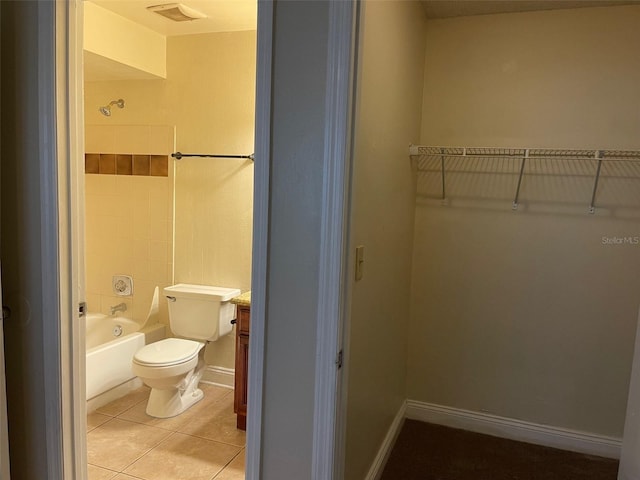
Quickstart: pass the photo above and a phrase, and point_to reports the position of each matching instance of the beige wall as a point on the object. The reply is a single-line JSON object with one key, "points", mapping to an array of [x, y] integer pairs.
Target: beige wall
{"points": [[209, 97], [387, 120], [214, 111], [564, 78], [527, 314]]}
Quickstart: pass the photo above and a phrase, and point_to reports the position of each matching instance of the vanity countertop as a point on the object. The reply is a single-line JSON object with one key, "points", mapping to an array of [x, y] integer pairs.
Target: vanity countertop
{"points": [[244, 299]]}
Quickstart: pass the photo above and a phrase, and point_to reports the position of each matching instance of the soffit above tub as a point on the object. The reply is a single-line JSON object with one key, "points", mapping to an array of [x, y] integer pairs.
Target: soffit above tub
{"points": [[461, 8], [98, 68], [222, 15]]}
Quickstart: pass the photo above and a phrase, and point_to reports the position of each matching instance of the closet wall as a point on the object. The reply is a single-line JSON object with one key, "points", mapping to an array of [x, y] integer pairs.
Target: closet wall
{"points": [[529, 314], [388, 112]]}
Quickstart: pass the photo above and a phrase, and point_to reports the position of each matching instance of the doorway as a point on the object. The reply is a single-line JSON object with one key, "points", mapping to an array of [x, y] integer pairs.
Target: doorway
{"points": [[157, 220], [466, 342]]}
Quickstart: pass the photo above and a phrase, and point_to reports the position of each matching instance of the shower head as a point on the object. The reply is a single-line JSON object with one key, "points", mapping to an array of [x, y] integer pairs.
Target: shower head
{"points": [[106, 110]]}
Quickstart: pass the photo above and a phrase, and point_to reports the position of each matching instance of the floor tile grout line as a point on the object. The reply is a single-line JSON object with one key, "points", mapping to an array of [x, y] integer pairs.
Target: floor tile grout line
{"points": [[228, 463], [139, 390], [126, 409], [147, 424], [140, 456], [104, 468], [96, 426], [170, 429], [146, 452], [219, 472], [104, 414], [241, 447], [132, 476], [128, 474], [212, 440]]}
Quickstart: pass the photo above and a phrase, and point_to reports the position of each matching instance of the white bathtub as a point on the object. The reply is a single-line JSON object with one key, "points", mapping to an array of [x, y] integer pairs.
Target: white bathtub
{"points": [[111, 344]]}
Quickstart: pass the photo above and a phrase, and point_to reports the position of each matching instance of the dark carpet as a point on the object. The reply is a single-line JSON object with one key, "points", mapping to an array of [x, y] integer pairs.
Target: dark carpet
{"points": [[432, 452]]}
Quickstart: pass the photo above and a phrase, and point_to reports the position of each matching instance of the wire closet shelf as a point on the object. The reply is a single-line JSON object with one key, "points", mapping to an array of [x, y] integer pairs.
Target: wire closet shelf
{"points": [[597, 157]]}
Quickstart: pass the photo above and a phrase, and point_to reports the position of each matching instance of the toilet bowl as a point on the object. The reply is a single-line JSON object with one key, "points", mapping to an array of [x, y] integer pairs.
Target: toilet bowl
{"points": [[173, 367]]}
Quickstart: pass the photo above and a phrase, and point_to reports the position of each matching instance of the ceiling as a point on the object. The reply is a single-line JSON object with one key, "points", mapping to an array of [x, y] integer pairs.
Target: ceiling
{"points": [[222, 15], [238, 15], [241, 15], [459, 8]]}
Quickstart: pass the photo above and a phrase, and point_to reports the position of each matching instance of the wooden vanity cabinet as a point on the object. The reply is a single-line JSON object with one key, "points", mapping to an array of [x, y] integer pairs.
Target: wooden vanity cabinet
{"points": [[242, 366]]}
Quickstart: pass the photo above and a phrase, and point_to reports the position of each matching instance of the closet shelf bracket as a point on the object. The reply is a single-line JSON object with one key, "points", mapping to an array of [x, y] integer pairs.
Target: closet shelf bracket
{"points": [[592, 205], [522, 165], [444, 197]]}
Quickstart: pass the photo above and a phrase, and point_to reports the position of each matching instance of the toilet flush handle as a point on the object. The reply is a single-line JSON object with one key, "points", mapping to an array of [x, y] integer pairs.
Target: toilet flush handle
{"points": [[171, 299]]}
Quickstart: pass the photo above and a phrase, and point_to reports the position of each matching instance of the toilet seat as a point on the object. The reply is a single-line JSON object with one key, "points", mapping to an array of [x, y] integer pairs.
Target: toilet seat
{"points": [[168, 352]]}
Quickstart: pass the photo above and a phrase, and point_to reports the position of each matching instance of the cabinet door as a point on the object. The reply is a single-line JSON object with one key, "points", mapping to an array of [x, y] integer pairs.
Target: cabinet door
{"points": [[244, 315]]}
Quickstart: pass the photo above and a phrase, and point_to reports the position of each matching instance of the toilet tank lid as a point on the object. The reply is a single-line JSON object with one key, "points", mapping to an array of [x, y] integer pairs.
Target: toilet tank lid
{"points": [[204, 292]]}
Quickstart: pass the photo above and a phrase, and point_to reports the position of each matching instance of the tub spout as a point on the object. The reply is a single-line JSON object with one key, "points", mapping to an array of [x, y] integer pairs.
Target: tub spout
{"points": [[121, 307]]}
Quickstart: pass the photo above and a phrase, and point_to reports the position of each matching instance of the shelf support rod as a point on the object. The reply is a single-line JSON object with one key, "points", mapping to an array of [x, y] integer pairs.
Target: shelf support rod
{"points": [[522, 164], [442, 170], [592, 205]]}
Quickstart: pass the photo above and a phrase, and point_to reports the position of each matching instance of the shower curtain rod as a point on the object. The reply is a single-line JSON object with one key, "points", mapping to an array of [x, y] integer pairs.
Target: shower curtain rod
{"points": [[179, 155]]}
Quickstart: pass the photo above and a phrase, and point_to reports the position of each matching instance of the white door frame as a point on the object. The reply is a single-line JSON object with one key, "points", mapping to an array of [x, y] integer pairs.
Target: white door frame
{"points": [[326, 461], [70, 142], [259, 267], [334, 284]]}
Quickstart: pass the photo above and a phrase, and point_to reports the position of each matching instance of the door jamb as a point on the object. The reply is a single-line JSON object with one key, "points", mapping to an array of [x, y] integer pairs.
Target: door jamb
{"points": [[333, 264], [70, 145], [334, 279], [260, 267]]}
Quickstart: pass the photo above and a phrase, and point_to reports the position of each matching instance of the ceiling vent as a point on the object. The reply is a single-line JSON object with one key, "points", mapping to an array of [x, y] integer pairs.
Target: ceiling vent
{"points": [[176, 12]]}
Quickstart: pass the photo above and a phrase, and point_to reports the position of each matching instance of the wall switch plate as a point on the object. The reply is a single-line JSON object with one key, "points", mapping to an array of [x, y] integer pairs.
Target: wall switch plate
{"points": [[122, 285], [359, 262]]}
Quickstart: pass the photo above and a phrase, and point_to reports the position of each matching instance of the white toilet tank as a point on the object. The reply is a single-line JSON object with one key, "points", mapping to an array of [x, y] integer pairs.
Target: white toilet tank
{"points": [[200, 312]]}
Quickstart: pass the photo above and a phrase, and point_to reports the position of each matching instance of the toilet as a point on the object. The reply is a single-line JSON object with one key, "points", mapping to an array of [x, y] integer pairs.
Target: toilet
{"points": [[173, 367]]}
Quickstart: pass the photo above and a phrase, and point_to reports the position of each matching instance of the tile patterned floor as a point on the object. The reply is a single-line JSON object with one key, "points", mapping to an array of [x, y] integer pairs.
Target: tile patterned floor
{"points": [[123, 442]]}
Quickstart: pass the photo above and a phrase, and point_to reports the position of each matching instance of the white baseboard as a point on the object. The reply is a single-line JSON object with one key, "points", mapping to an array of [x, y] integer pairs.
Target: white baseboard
{"points": [[220, 376], [512, 429], [375, 472]]}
